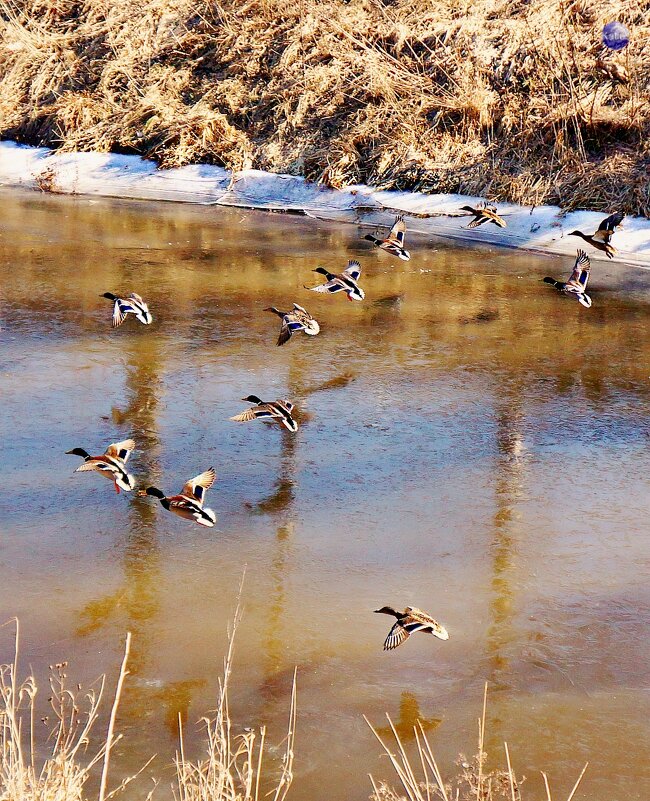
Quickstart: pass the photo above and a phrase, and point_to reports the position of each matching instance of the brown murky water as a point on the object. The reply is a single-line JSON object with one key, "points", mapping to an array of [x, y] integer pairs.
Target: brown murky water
{"points": [[470, 442]]}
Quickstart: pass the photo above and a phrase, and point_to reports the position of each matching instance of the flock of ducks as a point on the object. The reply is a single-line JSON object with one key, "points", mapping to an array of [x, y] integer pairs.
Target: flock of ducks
{"points": [[576, 286], [189, 503]]}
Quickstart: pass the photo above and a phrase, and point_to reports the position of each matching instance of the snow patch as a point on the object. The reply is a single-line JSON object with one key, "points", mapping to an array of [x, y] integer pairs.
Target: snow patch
{"points": [[542, 228]]}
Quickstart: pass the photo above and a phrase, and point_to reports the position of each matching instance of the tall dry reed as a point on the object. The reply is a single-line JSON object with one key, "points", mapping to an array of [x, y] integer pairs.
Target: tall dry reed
{"points": [[232, 769], [60, 768], [421, 779]]}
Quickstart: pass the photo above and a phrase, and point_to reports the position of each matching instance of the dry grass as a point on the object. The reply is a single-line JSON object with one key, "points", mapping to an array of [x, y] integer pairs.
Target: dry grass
{"points": [[421, 779], [232, 767], [60, 769], [509, 99]]}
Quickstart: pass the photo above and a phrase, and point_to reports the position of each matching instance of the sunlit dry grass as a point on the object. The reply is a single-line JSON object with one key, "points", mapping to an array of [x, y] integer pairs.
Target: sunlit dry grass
{"points": [[76, 756], [232, 768], [421, 779], [60, 769], [509, 99]]}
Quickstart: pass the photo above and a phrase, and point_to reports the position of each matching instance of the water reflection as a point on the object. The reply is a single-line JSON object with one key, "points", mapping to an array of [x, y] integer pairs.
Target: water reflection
{"points": [[509, 480], [277, 674], [137, 602], [470, 391]]}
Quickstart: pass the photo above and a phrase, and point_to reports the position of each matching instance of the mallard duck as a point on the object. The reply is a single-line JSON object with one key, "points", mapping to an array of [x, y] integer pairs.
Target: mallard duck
{"points": [[601, 239], [409, 621], [188, 504], [279, 410], [297, 320], [341, 282], [576, 286], [110, 465], [131, 305], [394, 242], [484, 214]]}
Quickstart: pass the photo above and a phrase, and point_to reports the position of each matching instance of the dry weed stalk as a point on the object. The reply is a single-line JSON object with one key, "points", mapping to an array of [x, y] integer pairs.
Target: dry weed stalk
{"points": [[423, 781], [511, 99], [62, 773], [232, 770]]}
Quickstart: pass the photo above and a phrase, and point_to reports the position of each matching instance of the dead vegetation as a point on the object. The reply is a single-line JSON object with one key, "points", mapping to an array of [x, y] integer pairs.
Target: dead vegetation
{"points": [[61, 769], [421, 779], [510, 99], [57, 757]]}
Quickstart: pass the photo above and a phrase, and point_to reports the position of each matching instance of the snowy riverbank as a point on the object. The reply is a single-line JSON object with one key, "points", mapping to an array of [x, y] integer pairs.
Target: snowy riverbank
{"points": [[543, 228]]}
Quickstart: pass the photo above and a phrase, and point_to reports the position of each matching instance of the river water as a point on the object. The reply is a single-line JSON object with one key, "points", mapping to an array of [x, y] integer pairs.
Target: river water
{"points": [[470, 442]]}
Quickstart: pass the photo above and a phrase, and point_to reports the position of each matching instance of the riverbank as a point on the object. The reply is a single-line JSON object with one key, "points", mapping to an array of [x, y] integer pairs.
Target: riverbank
{"points": [[515, 101], [542, 229]]}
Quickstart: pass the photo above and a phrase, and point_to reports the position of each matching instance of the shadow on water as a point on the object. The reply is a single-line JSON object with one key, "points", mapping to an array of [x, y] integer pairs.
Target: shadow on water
{"points": [[409, 715]]}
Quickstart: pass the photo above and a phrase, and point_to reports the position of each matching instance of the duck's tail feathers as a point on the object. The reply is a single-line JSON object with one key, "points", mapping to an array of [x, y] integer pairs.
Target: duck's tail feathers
{"points": [[290, 424], [125, 482], [207, 519]]}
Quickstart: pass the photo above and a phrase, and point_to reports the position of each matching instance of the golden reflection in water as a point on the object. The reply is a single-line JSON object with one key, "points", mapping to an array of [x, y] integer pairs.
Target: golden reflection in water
{"points": [[138, 598], [409, 715], [278, 676], [510, 467], [510, 474], [455, 331]]}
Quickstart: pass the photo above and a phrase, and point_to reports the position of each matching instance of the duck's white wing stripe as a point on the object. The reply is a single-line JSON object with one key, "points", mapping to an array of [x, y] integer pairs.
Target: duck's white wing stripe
{"points": [[121, 450], [353, 270]]}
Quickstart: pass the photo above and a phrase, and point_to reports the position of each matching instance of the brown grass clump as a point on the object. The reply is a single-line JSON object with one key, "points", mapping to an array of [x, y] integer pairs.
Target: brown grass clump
{"points": [[421, 779], [511, 99]]}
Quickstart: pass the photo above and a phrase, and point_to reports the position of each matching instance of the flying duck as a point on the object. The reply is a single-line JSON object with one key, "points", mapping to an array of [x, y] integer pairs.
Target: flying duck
{"points": [[409, 621], [484, 214], [279, 410], [394, 242], [298, 319], [110, 465], [341, 282], [133, 304], [188, 504], [576, 286], [601, 239]]}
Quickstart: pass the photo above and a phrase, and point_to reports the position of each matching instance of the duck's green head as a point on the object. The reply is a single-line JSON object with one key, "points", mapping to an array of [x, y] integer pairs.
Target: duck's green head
{"points": [[253, 399]]}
